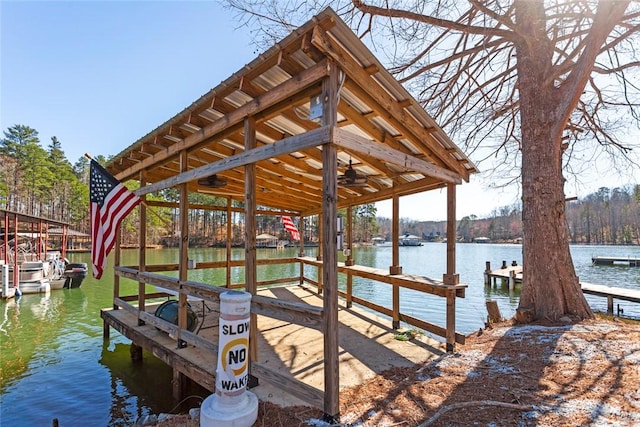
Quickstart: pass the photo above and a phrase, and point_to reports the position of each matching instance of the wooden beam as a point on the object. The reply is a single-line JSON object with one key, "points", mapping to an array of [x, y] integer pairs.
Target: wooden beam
{"points": [[278, 94], [386, 102], [288, 145], [359, 144], [305, 392]]}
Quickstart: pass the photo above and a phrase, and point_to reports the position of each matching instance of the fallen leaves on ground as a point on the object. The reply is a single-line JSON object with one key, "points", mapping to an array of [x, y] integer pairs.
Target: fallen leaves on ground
{"points": [[587, 373]]}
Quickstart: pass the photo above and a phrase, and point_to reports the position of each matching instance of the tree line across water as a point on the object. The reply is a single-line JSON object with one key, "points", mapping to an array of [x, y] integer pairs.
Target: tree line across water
{"points": [[607, 216], [42, 182]]}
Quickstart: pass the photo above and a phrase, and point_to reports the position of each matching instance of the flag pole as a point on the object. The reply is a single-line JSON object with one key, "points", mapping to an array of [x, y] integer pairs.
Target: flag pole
{"points": [[144, 202]]}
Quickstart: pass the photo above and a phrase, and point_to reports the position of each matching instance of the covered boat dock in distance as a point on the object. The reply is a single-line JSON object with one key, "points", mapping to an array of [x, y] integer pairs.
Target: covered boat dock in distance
{"points": [[313, 125], [36, 231]]}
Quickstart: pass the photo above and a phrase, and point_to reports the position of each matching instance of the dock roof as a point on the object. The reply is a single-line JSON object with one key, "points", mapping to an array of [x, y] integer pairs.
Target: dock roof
{"points": [[382, 131]]}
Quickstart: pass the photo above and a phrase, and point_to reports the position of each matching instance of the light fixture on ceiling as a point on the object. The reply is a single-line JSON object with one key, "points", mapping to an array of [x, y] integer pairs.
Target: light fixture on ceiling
{"points": [[212, 181], [351, 178]]}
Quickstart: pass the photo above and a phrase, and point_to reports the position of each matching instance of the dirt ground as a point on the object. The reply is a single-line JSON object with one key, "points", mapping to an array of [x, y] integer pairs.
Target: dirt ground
{"points": [[582, 374]]}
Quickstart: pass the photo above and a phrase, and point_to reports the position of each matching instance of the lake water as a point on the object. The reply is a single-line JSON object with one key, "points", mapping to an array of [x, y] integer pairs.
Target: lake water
{"points": [[55, 364]]}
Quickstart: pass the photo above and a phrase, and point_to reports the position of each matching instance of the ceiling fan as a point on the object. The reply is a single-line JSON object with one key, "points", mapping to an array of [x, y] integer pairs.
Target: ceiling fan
{"points": [[351, 178], [212, 181]]}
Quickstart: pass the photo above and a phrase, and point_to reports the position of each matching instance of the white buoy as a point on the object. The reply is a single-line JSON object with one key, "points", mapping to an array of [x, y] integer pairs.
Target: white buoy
{"points": [[232, 405]]}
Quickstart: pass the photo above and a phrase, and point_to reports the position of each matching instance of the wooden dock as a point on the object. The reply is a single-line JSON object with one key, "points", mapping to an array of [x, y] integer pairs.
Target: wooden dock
{"points": [[367, 347], [513, 275], [611, 293], [604, 260]]}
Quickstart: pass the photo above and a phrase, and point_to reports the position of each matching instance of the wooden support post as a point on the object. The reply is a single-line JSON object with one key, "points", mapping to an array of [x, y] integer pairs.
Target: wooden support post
{"points": [[451, 320], [229, 238], [250, 254], [395, 322], [135, 351], [117, 253], [349, 290], [395, 267], [349, 261], [301, 251], [142, 247], [450, 277], [512, 280], [329, 249], [609, 304], [184, 248], [487, 273], [179, 384], [105, 330], [319, 251]]}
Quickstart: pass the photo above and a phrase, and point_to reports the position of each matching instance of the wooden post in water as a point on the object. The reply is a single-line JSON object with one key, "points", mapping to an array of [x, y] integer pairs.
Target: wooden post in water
{"points": [[105, 330], [512, 280], [487, 273]]}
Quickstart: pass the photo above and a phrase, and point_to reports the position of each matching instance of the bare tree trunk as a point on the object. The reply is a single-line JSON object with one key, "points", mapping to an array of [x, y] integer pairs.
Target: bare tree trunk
{"points": [[550, 286]]}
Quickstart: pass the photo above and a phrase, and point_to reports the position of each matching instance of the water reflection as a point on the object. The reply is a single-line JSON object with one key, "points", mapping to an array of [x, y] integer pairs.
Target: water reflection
{"points": [[140, 388], [52, 344]]}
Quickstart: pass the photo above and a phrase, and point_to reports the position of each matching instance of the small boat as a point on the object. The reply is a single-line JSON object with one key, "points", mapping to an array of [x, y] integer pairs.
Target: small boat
{"points": [[74, 274], [410, 240], [44, 276], [27, 263]]}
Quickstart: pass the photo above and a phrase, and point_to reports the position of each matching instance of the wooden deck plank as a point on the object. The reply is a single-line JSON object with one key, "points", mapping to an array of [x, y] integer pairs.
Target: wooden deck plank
{"points": [[367, 346]]}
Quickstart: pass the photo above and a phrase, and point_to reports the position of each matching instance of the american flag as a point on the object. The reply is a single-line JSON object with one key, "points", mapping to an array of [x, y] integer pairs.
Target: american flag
{"points": [[290, 227], [111, 202]]}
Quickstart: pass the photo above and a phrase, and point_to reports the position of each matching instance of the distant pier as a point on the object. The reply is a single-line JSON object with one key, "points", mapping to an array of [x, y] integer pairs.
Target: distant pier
{"points": [[512, 274], [605, 260]]}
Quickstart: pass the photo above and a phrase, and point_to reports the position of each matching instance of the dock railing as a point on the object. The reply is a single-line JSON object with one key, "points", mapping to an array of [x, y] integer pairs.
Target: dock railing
{"points": [[302, 314], [417, 283]]}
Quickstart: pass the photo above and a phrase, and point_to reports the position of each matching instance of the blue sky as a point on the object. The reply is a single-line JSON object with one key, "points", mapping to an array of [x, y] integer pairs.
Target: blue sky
{"points": [[99, 75]]}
